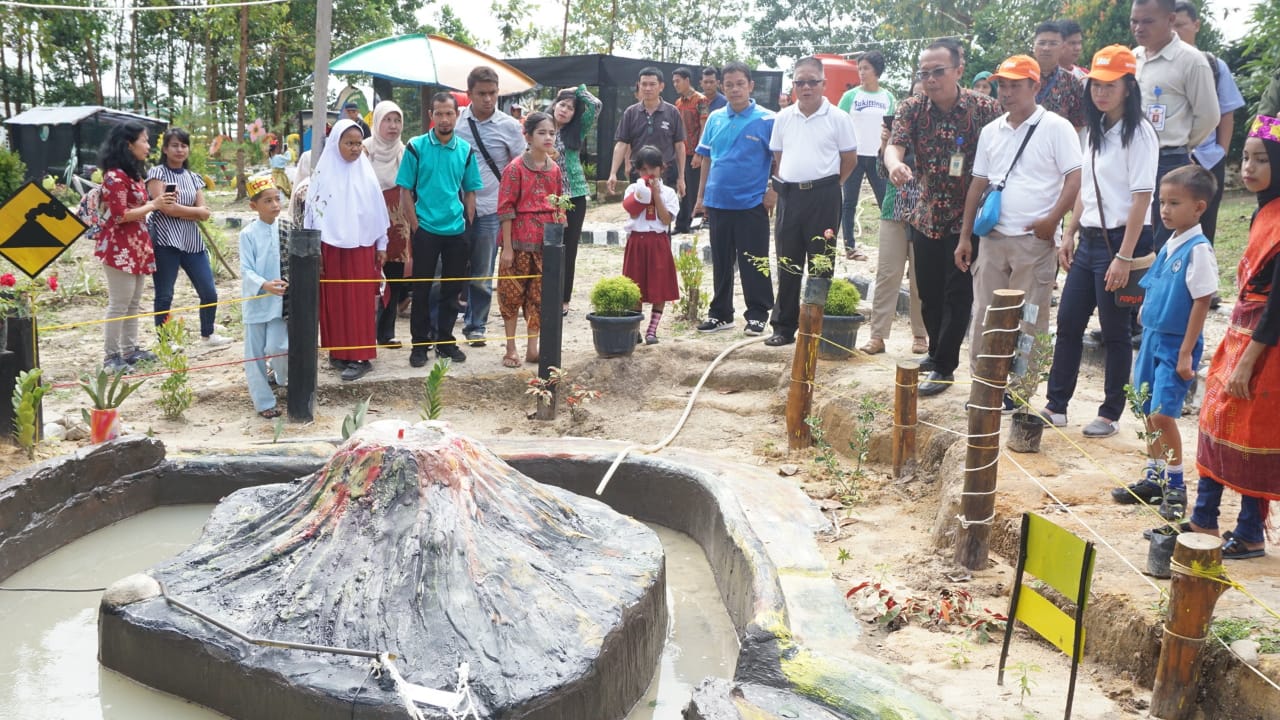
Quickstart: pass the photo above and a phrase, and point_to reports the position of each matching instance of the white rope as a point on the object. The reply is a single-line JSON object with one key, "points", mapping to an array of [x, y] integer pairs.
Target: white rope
{"points": [[688, 408], [136, 8], [965, 523], [940, 427], [976, 493], [988, 465], [459, 704], [983, 407], [1255, 670], [990, 384]]}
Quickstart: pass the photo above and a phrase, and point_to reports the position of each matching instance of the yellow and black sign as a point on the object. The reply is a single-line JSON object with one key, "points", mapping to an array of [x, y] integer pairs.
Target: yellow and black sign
{"points": [[35, 228]]}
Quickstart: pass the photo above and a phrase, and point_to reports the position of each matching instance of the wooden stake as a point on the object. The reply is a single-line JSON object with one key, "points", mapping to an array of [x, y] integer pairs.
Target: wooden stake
{"points": [[978, 503], [1191, 602], [905, 395], [805, 362]]}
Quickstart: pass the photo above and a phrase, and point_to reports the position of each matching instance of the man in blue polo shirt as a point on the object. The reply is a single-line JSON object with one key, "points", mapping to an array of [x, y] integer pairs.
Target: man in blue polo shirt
{"points": [[439, 177], [734, 192]]}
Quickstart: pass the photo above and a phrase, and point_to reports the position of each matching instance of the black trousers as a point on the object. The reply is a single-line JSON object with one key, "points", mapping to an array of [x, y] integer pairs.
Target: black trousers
{"points": [[1167, 162], [692, 176], [452, 252], [1209, 220], [946, 296], [572, 235], [804, 219], [735, 234], [399, 291]]}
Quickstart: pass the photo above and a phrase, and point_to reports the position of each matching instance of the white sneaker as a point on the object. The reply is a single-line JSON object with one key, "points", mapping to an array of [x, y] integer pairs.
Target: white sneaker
{"points": [[215, 340]]}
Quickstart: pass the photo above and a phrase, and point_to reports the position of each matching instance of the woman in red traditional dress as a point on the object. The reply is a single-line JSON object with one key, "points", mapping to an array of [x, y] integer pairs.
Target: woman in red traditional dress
{"points": [[1239, 438], [345, 204]]}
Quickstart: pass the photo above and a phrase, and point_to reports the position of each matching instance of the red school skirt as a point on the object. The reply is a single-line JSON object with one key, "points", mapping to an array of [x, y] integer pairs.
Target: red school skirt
{"points": [[649, 262]]}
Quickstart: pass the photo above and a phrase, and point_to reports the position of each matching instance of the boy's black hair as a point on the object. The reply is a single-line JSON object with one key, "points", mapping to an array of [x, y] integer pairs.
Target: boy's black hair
{"points": [[1049, 26], [1194, 179], [647, 156], [444, 96], [652, 72], [1069, 27], [711, 70], [738, 67], [683, 72]]}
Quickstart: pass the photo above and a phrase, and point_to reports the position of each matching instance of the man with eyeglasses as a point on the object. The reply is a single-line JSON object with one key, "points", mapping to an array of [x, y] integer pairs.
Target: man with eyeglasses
{"points": [[940, 129], [815, 149], [1060, 91], [1178, 94], [652, 121]]}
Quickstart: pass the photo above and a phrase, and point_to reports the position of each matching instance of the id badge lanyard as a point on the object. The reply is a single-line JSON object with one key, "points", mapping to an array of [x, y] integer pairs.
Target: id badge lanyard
{"points": [[1158, 111], [957, 160]]}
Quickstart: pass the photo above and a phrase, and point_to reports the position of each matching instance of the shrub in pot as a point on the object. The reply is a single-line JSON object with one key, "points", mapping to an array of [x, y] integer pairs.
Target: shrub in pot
{"points": [[1026, 425], [107, 391], [840, 321], [615, 320]]}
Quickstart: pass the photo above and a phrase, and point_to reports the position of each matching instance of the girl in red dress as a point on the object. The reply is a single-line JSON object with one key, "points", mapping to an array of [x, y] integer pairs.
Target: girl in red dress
{"points": [[648, 259], [523, 208]]}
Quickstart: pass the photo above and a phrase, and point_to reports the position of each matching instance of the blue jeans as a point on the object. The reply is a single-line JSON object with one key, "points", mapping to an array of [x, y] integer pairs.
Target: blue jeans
{"points": [[1085, 290], [852, 188], [196, 265], [482, 235], [1209, 498]]}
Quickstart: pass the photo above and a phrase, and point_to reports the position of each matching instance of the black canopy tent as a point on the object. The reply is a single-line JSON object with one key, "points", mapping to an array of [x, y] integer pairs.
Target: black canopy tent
{"points": [[46, 137], [616, 78]]}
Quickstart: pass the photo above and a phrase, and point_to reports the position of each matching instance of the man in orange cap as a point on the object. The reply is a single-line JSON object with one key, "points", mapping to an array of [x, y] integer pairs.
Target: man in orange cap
{"points": [[1038, 152]]}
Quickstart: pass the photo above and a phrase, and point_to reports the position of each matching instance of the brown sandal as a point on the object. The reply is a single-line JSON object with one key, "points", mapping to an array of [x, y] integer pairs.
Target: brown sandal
{"points": [[270, 413], [511, 361], [874, 346]]}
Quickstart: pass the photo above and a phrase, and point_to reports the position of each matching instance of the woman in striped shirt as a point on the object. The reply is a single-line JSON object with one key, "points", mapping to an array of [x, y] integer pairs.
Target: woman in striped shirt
{"points": [[176, 236]]}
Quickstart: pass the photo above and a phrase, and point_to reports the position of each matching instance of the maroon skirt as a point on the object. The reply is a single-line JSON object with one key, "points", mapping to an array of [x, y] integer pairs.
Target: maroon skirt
{"points": [[649, 262], [347, 309]]}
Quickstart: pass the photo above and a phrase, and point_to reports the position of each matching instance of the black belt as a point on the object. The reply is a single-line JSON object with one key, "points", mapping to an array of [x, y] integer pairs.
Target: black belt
{"points": [[1173, 151], [783, 186]]}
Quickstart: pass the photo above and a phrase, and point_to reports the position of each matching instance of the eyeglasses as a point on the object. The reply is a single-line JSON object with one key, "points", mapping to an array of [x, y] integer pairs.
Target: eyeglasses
{"points": [[936, 73], [1048, 44], [806, 83]]}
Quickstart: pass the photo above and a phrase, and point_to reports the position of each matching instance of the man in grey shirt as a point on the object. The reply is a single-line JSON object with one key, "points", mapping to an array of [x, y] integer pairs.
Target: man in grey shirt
{"points": [[497, 139], [652, 121]]}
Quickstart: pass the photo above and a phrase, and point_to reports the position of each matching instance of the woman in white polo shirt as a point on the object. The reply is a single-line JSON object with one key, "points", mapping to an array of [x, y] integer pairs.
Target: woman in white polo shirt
{"points": [[1111, 216]]}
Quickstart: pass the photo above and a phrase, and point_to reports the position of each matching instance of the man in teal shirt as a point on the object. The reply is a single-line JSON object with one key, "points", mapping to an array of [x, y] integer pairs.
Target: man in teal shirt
{"points": [[439, 177]]}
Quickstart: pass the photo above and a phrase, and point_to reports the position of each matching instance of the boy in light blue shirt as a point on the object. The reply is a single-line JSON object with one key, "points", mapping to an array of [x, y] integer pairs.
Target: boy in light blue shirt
{"points": [[265, 333]]}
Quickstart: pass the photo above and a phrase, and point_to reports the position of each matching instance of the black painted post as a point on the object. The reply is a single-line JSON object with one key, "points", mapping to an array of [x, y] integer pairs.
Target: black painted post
{"points": [[552, 320], [24, 342], [8, 381], [304, 322]]}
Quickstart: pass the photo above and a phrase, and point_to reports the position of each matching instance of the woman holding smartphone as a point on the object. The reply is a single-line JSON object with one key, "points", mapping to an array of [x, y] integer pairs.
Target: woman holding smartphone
{"points": [[176, 236]]}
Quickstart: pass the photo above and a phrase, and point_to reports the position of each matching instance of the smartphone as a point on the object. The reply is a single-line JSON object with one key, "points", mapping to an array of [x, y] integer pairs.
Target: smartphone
{"points": [[888, 121], [171, 188]]}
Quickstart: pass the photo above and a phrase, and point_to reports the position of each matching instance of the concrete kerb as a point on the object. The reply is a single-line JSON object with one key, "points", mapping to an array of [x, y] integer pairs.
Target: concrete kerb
{"points": [[755, 530]]}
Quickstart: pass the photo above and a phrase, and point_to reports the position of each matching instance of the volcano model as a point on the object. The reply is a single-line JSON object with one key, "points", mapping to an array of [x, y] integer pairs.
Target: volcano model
{"points": [[416, 541]]}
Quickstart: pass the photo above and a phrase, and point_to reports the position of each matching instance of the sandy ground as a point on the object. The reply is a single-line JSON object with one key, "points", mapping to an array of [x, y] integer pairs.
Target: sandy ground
{"points": [[884, 537]]}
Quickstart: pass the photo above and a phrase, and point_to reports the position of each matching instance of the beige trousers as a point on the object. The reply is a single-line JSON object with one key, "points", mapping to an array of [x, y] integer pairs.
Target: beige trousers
{"points": [[895, 253], [1016, 262]]}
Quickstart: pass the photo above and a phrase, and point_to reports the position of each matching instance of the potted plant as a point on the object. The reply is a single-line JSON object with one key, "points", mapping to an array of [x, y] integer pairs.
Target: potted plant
{"points": [[840, 321], [1027, 426], [615, 320], [107, 392]]}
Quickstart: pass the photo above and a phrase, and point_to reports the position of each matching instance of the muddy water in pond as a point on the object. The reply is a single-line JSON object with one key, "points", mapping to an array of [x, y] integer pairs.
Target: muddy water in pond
{"points": [[48, 658]]}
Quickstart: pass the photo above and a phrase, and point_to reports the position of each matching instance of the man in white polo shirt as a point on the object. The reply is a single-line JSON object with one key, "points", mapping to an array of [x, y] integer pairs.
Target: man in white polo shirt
{"points": [[814, 149], [1036, 155]]}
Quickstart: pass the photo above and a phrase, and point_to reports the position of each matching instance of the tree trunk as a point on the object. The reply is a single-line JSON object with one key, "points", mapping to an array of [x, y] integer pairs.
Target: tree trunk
{"points": [[133, 60], [31, 62], [240, 109], [95, 73], [18, 32], [1191, 603], [210, 82], [4, 78], [281, 60]]}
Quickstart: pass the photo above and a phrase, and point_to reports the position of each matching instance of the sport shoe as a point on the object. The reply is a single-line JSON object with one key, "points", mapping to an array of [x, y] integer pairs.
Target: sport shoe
{"points": [[1053, 418], [1174, 505], [418, 357], [651, 339], [1007, 405], [1100, 428], [754, 328], [453, 352], [138, 355], [356, 370], [115, 364], [476, 340], [711, 325], [1146, 490], [215, 340]]}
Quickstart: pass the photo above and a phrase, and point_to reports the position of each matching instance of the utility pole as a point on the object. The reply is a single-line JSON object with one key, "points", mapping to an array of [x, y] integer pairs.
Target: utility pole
{"points": [[320, 75]]}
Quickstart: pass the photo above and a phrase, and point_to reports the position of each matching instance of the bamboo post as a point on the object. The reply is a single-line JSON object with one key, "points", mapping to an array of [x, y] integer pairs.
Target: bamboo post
{"points": [[212, 246], [1191, 602], [986, 396], [905, 394], [552, 331], [303, 322], [805, 362]]}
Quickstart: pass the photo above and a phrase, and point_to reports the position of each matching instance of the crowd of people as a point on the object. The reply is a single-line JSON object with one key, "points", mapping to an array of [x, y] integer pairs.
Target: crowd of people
{"points": [[993, 186]]}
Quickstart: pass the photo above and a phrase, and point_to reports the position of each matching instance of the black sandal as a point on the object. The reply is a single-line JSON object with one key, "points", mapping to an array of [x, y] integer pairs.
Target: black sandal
{"points": [[271, 413], [1235, 549]]}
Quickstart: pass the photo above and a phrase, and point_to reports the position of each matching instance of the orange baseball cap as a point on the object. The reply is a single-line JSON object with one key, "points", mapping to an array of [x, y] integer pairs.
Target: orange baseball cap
{"points": [[1019, 67], [1112, 63]]}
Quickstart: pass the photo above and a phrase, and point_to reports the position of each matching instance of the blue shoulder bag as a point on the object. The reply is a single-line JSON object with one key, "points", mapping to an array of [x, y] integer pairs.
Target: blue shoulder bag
{"points": [[989, 207]]}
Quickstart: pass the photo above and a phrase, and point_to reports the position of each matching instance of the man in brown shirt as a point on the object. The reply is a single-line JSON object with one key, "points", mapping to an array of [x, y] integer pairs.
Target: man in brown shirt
{"points": [[940, 130], [694, 108]]}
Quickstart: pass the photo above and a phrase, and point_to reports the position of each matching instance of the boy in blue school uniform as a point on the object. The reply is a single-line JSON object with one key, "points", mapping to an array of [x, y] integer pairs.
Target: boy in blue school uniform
{"points": [[1179, 288], [265, 332]]}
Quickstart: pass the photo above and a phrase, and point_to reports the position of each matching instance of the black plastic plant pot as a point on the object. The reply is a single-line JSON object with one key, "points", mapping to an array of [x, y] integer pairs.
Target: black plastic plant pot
{"points": [[1025, 431], [615, 336], [840, 334]]}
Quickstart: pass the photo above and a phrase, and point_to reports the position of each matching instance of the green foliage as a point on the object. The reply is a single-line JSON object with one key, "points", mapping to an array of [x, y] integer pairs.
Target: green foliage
{"points": [[175, 391], [26, 399], [864, 426], [615, 296], [449, 25], [1025, 681], [843, 556], [692, 300], [107, 390], [842, 299], [13, 174], [353, 422], [432, 406], [1039, 360], [827, 460], [960, 650], [795, 28]]}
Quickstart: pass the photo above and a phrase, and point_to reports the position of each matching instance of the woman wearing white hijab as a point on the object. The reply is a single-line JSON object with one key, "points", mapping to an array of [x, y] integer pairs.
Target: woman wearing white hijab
{"points": [[385, 148], [345, 204]]}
